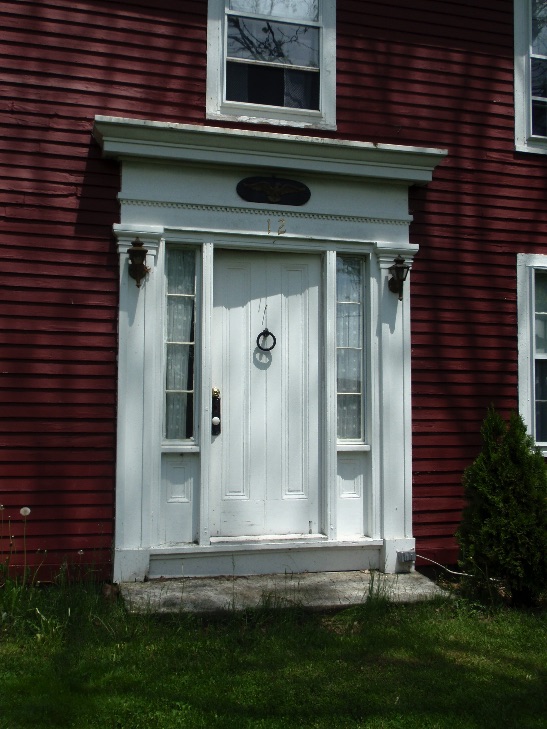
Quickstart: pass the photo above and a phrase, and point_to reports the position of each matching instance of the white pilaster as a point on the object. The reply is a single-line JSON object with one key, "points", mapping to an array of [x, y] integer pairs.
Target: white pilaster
{"points": [[394, 405], [135, 466]]}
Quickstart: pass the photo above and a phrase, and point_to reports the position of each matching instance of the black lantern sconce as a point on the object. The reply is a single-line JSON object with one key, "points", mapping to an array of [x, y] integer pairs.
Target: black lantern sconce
{"points": [[399, 272], [137, 261]]}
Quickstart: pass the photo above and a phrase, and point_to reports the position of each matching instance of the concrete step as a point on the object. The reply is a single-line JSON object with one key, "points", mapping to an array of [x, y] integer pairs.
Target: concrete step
{"points": [[313, 590]]}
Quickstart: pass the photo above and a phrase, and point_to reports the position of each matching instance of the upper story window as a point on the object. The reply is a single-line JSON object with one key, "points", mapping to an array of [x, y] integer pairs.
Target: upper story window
{"points": [[531, 75], [272, 61]]}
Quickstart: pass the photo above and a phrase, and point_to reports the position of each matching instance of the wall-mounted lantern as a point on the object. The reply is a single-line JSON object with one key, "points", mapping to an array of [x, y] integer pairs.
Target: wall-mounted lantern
{"points": [[399, 272], [137, 261]]}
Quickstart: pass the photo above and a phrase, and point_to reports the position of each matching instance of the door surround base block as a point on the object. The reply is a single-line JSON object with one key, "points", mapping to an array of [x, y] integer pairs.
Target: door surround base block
{"points": [[263, 558]]}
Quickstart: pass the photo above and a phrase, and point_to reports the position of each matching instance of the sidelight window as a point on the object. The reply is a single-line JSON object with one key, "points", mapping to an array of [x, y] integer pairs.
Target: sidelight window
{"points": [[180, 344], [349, 348]]}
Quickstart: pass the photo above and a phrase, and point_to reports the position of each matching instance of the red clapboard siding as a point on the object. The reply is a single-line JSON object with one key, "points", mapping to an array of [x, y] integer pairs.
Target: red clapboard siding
{"points": [[413, 73], [63, 63]]}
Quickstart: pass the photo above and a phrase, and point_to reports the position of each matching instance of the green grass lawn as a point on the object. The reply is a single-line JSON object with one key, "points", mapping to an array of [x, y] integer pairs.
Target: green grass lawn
{"points": [[68, 658]]}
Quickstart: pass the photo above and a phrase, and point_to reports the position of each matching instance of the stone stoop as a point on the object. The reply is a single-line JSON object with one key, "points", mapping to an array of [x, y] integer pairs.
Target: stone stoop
{"points": [[312, 590]]}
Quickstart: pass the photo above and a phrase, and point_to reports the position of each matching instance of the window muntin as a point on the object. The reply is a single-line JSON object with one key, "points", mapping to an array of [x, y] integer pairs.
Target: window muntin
{"points": [[349, 348], [180, 344], [269, 61]]}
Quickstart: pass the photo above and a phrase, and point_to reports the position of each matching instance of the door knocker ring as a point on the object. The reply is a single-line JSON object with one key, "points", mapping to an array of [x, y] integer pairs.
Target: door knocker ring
{"points": [[264, 335]]}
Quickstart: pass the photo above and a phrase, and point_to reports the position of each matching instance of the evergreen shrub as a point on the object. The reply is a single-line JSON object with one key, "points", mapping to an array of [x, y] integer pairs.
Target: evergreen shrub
{"points": [[503, 532]]}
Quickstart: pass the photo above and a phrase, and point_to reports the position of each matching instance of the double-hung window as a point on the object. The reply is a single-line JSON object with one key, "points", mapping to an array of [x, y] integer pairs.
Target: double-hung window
{"points": [[532, 313], [272, 61], [531, 75]]}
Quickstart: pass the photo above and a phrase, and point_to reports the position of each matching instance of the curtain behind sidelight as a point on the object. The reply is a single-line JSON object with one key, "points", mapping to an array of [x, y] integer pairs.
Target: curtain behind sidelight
{"points": [[181, 301]]}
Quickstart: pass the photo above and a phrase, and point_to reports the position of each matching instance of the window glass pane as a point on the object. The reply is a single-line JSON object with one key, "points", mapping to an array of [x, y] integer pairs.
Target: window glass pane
{"points": [[181, 273], [541, 292], [349, 417], [348, 325], [541, 400], [179, 415], [541, 312], [348, 279], [541, 333], [539, 118], [180, 368], [539, 77], [271, 42], [257, 84], [301, 89], [349, 370], [539, 27], [180, 318], [289, 9]]}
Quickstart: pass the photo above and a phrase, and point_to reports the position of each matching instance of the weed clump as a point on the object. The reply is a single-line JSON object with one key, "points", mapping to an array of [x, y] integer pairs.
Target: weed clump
{"points": [[503, 532]]}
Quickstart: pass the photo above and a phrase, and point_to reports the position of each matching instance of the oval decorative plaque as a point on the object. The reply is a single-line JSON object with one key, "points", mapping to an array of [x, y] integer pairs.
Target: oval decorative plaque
{"points": [[273, 190]]}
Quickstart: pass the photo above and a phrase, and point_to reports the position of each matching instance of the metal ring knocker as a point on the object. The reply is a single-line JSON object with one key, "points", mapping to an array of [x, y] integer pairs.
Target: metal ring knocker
{"points": [[264, 335]]}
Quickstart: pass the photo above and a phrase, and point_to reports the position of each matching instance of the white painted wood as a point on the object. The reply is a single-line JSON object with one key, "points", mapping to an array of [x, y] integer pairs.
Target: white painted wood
{"points": [[330, 425], [266, 558], [206, 385], [134, 471], [180, 477], [352, 482], [265, 463], [394, 426], [202, 146]]}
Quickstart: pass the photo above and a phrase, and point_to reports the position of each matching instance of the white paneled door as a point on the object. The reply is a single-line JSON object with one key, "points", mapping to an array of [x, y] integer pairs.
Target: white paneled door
{"points": [[265, 460]]}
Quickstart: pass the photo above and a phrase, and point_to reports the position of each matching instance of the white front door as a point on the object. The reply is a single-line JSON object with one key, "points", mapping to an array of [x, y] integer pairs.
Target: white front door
{"points": [[265, 460]]}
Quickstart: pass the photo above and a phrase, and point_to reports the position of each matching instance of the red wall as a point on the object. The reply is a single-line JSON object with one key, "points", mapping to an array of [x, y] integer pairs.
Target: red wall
{"points": [[413, 73]]}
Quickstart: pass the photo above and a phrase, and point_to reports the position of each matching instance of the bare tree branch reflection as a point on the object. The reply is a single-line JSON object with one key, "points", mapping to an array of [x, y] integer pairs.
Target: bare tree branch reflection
{"points": [[271, 42]]}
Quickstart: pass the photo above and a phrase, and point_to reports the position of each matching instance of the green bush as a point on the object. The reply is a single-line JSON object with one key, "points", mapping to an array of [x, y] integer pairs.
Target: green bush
{"points": [[503, 532]]}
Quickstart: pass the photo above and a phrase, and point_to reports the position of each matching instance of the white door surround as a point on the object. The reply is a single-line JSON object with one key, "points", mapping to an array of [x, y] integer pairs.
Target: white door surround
{"points": [[179, 189]]}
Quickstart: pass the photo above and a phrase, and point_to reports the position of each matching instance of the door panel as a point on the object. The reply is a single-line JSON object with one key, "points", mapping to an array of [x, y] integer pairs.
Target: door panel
{"points": [[265, 461]]}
